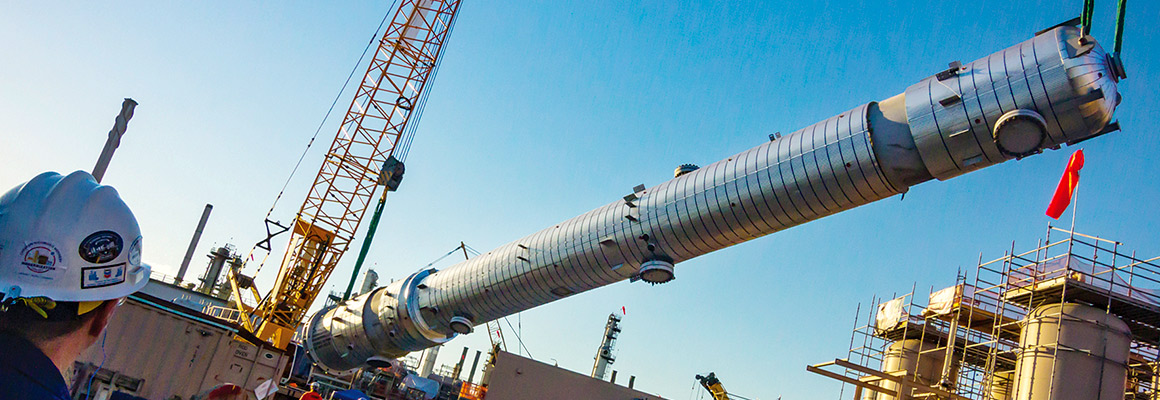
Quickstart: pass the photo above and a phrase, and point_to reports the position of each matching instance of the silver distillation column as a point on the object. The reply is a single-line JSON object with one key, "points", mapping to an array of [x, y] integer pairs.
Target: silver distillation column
{"points": [[1056, 88]]}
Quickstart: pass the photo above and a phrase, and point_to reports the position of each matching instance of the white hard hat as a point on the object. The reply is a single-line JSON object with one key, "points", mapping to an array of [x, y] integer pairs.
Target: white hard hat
{"points": [[68, 238]]}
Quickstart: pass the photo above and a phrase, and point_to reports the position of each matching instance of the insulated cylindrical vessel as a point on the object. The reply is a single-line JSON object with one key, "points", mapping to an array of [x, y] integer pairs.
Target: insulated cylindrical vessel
{"points": [[922, 365], [1072, 352], [1053, 89]]}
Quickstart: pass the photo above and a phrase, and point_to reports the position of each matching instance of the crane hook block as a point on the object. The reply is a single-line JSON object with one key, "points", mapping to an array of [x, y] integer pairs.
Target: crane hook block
{"points": [[392, 174]]}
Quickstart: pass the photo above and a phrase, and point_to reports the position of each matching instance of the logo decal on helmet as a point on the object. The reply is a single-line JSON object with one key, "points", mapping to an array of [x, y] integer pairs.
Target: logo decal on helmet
{"points": [[135, 252], [101, 247], [95, 277], [41, 257]]}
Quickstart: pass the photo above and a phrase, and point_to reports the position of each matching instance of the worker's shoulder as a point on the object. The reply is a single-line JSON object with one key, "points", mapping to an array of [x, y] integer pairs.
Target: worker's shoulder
{"points": [[26, 373], [17, 385]]}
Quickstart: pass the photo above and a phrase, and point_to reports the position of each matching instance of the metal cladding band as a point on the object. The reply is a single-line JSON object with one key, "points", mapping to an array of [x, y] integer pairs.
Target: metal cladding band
{"points": [[357, 330], [1061, 75], [939, 128]]}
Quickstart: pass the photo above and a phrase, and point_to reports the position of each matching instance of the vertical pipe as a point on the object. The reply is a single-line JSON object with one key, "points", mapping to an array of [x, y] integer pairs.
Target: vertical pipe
{"points": [[193, 243], [631, 381], [474, 364]]}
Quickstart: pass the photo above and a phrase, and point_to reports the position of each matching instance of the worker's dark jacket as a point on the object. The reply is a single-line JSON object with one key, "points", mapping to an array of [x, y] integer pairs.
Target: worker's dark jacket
{"points": [[26, 373]]}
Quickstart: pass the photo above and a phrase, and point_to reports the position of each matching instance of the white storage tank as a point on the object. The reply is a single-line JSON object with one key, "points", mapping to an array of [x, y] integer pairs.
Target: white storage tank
{"points": [[1071, 352], [916, 358]]}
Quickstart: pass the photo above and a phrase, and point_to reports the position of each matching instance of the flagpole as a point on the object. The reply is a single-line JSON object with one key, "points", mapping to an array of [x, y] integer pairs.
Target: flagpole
{"points": [[1071, 237], [1074, 210], [1074, 207]]}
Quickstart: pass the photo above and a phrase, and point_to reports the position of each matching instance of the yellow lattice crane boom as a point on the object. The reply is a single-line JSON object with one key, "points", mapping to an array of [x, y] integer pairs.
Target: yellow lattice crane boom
{"points": [[378, 123]]}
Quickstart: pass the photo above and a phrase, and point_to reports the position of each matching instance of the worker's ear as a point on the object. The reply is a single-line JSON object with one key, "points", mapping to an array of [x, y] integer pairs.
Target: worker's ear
{"points": [[101, 317]]}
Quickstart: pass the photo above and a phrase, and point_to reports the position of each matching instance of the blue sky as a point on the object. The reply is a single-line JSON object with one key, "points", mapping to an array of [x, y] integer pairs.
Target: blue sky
{"points": [[544, 110]]}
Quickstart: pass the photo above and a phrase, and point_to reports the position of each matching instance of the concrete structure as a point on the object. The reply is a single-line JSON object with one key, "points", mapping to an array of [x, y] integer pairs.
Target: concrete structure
{"points": [[155, 349], [1057, 88], [514, 377]]}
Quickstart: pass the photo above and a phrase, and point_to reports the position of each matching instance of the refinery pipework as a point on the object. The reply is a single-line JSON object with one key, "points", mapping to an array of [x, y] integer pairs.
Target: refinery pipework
{"points": [[1057, 88]]}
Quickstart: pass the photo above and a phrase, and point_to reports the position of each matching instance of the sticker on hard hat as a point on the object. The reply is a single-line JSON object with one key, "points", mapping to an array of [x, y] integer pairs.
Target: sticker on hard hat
{"points": [[135, 252], [95, 277], [41, 257], [101, 247]]}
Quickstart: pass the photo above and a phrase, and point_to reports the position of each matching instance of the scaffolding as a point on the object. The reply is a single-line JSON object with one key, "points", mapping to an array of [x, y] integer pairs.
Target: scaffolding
{"points": [[963, 341]]}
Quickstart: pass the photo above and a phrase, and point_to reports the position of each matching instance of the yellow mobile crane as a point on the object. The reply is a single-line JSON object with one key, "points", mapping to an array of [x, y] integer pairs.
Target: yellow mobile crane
{"points": [[716, 389], [366, 152]]}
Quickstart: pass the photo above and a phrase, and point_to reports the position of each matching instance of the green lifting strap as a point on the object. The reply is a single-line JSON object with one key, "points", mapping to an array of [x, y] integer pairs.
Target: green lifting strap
{"points": [[366, 245], [1085, 17], [1119, 38]]}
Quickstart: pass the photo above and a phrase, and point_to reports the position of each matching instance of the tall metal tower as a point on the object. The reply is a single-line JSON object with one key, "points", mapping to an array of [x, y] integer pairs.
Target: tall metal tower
{"points": [[604, 353]]}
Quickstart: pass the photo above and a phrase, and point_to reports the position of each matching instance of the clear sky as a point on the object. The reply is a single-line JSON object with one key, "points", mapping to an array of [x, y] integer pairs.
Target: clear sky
{"points": [[544, 110]]}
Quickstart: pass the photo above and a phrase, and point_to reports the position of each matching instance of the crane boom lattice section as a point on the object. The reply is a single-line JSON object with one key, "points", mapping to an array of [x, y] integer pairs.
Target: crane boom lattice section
{"points": [[389, 96]]}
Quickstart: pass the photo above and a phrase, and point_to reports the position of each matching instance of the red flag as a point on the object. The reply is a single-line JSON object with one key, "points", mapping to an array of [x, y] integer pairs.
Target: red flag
{"points": [[622, 311], [1067, 184]]}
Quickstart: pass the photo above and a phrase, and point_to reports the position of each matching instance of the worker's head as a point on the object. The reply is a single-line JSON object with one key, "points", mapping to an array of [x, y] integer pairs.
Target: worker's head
{"points": [[70, 250]]}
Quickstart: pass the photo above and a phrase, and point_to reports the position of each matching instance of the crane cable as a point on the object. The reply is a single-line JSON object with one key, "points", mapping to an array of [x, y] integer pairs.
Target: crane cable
{"points": [[408, 134], [409, 130], [518, 339], [349, 77]]}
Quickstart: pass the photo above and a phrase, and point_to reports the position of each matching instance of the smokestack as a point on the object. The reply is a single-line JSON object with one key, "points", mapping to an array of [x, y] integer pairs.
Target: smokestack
{"points": [[114, 140], [193, 243], [459, 365], [474, 364]]}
